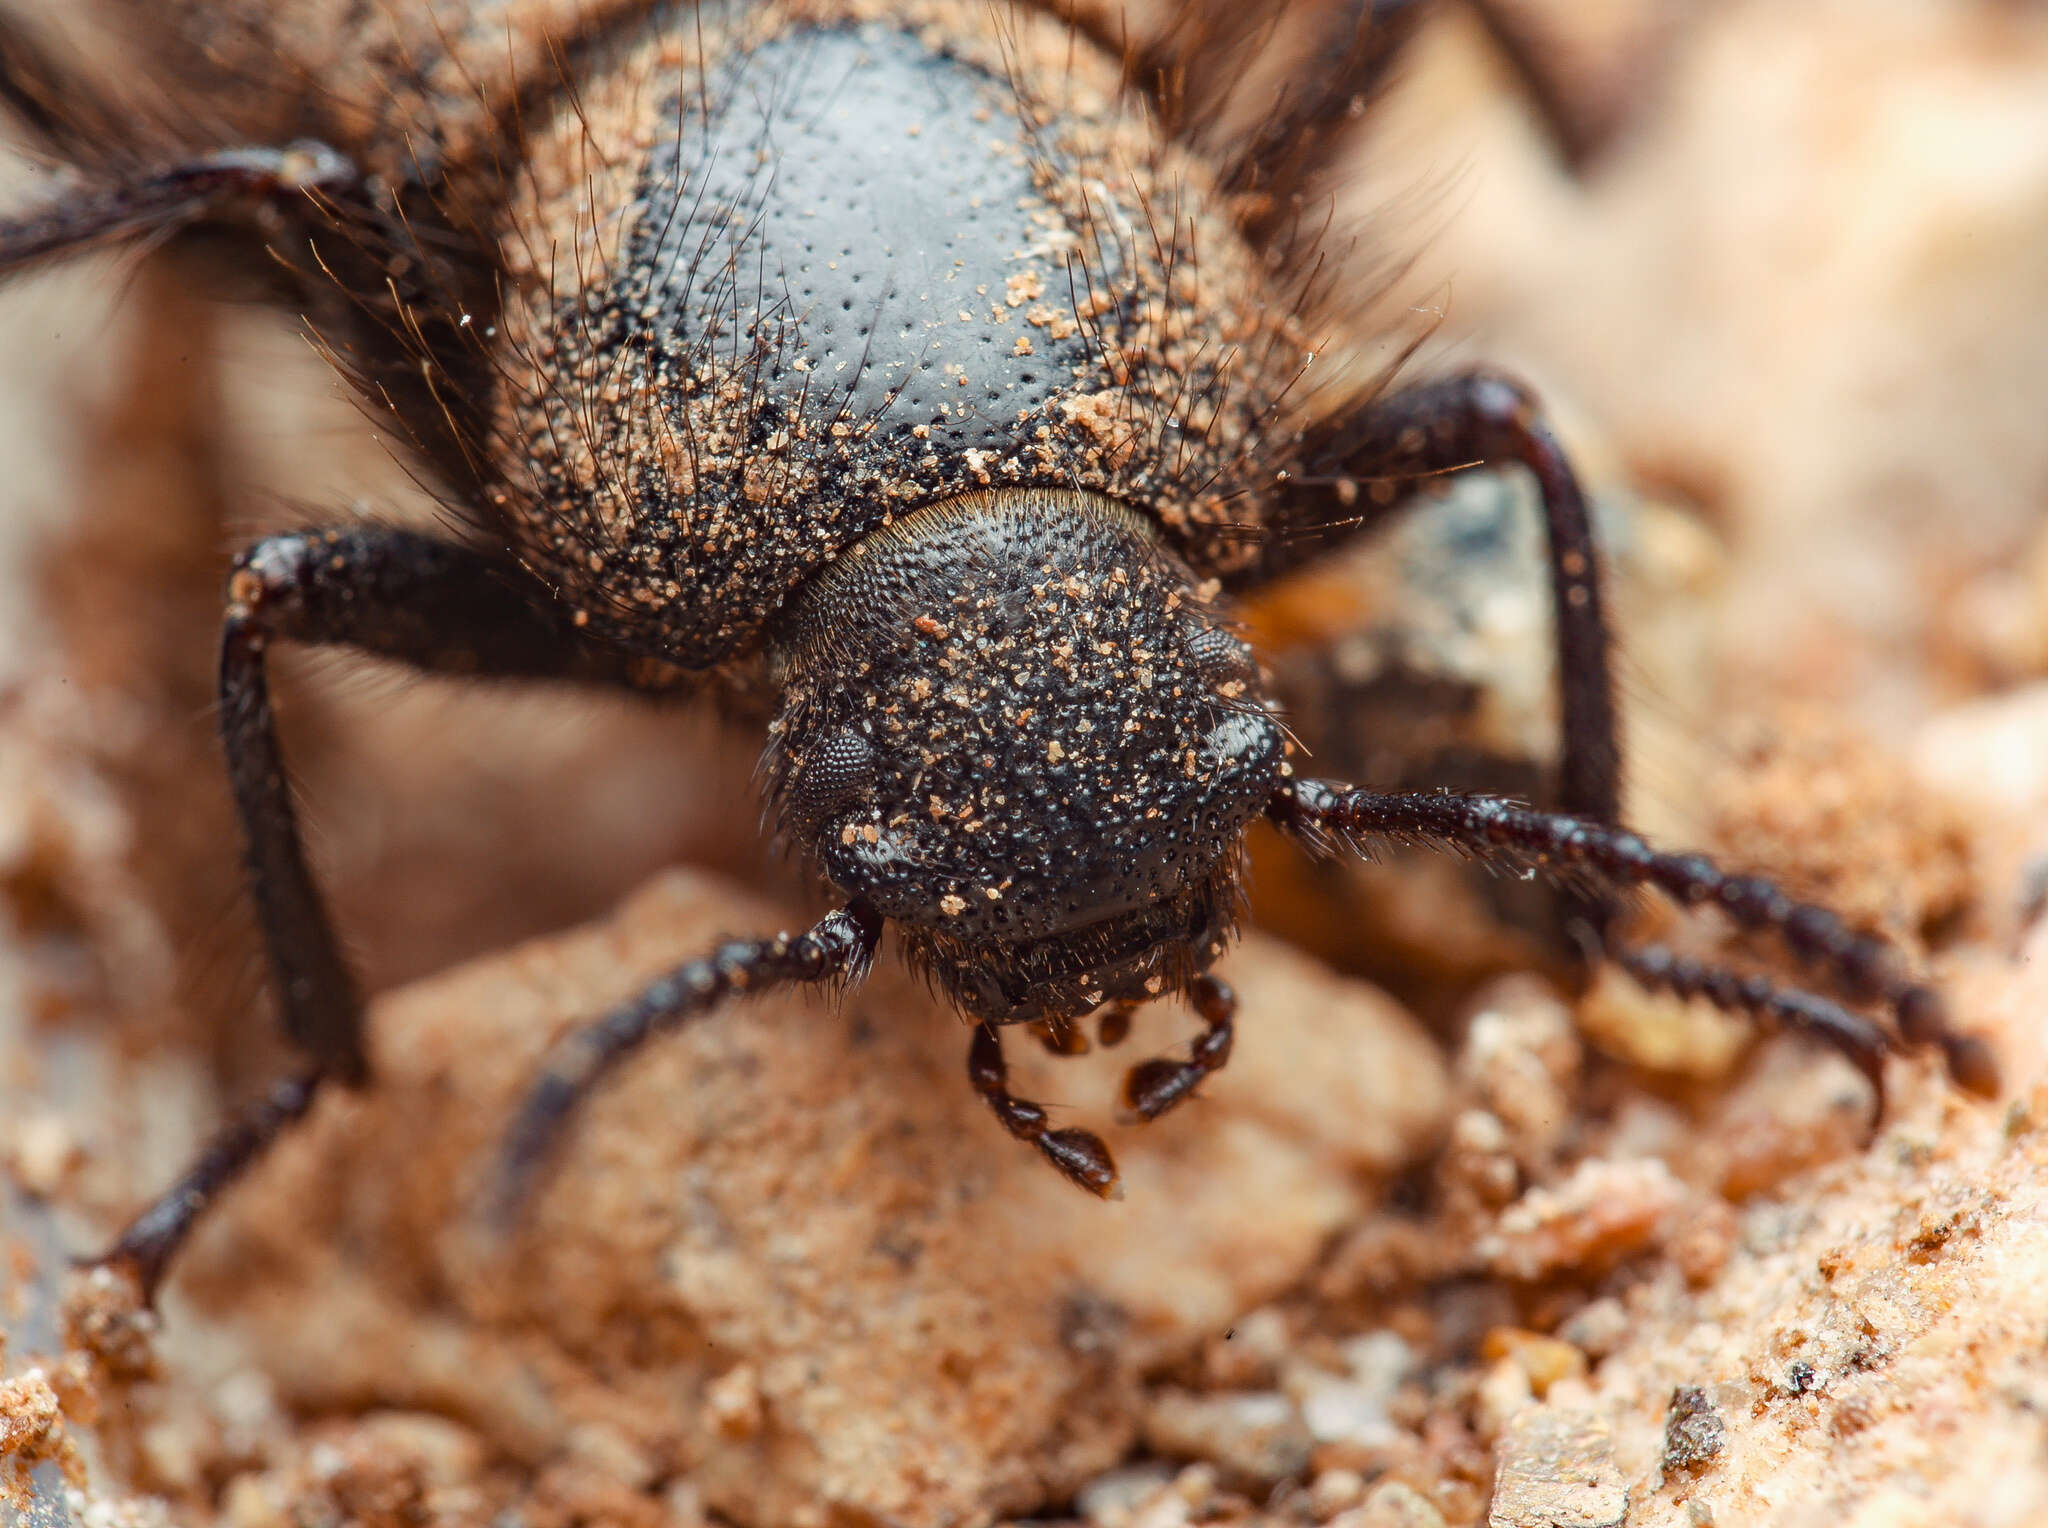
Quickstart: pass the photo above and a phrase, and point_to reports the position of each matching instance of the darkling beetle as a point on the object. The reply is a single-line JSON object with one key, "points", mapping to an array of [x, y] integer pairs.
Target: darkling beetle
{"points": [[940, 367]]}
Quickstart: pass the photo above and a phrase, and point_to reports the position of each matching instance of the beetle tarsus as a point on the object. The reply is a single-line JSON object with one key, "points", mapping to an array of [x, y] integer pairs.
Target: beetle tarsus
{"points": [[152, 1239]]}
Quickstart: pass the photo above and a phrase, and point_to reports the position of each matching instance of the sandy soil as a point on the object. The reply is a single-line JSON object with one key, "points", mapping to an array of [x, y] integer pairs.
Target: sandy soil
{"points": [[1442, 1247]]}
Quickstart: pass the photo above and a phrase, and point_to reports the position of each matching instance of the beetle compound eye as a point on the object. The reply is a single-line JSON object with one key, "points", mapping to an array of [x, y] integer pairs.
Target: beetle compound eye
{"points": [[838, 776], [1225, 664]]}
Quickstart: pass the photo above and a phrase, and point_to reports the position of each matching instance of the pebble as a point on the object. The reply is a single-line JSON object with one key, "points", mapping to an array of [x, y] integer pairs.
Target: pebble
{"points": [[1605, 1211], [1556, 1469], [1477, 1161], [446, 1453], [1795, 1109], [847, 1197], [1694, 1433], [1658, 1032], [1148, 1496], [1545, 1360], [1988, 754], [1503, 1391], [1257, 1436], [1343, 1411], [611, 1453], [733, 1402], [1333, 1491], [1113, 1497], [248, 1502], [1521, 1060], [1381, 1360], [1248, 1355], [42, 1150], [683, 1505], [1597, 1328], [1393, 1504]]}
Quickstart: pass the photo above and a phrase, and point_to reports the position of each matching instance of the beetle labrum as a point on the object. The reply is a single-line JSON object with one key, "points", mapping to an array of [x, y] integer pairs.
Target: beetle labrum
{"points": [[897, 355]]}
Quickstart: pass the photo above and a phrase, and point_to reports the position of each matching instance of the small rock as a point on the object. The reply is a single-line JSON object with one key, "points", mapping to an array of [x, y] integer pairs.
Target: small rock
{"points": [[2001, 616], [1248, 1355], [1799, 1107], [249, 1502], [1355, 1411], [174, 1450], [106, 1318], [1113, 1497], [1658, 1032], [1380, 1360], [1705, 1240], [1503, 1391], [1605, 1211], [1384, 1254], [1520, 1060], [1335, 1491], [1987, 755], [1257, 1436], [31, 1419], [42, 1150], [929, 1324], [1392, 1504], [610, 1455], [1477, 1164], [684, 1505], [1556, 1469], [1147, 1496], [1546, 1360], [1343, 1411], [244, 1406], [446, 1453], [1693, 1431], [1597, 1328], [733, 1402]]}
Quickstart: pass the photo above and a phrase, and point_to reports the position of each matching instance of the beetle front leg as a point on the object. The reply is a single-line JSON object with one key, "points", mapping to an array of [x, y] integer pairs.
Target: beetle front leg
{"points": [[437, 606], [839, 948], [1607, 861], [1359, 469]]}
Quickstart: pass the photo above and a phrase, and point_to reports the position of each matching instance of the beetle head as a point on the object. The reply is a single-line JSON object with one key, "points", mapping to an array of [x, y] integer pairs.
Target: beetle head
{"points": [[1012, 725]]}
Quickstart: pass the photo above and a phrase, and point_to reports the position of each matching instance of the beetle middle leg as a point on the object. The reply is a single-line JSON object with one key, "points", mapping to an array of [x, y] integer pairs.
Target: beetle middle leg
{"points": [[1366, 466], [1372, 464], [119, 195]]}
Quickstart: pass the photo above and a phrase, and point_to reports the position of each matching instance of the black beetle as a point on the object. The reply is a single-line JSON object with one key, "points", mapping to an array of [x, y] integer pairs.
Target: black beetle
{"points": [[899, 354]]}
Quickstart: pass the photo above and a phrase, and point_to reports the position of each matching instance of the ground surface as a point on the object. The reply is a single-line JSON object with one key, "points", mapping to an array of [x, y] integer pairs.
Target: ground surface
{"points": [[1476, 1255]]}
